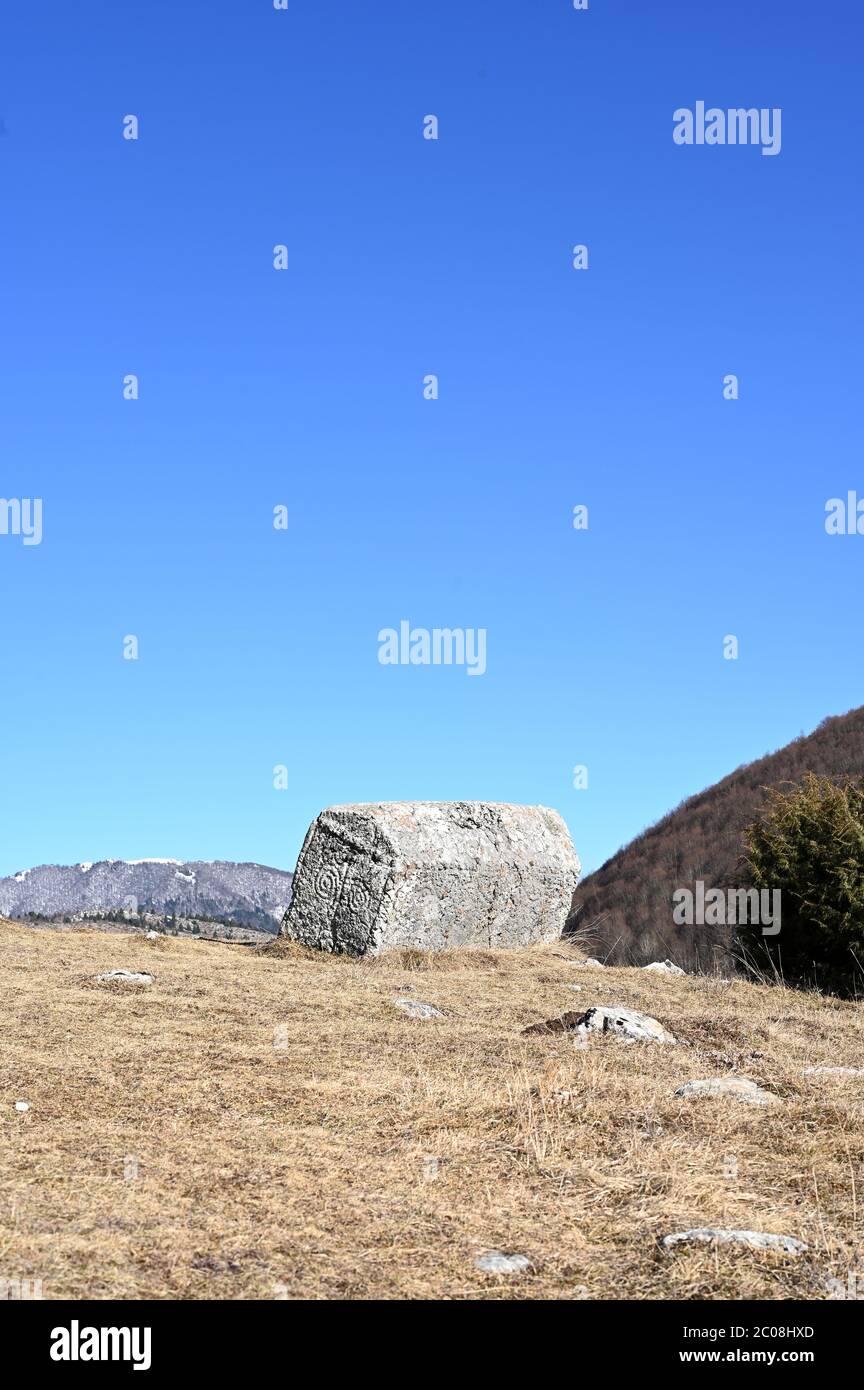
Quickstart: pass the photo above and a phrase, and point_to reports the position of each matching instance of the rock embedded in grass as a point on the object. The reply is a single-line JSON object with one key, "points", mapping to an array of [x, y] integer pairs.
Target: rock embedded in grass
{"points": [[431, 875], [665, 967], [415, 1008], [627, 1024], [495, 1262], [125, 977], [752, 1240], [736, 1087], [833, 1071]]}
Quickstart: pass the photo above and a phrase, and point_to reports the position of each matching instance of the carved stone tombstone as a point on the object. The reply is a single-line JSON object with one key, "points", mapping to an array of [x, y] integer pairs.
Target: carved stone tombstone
{"points": [[431, 874]]}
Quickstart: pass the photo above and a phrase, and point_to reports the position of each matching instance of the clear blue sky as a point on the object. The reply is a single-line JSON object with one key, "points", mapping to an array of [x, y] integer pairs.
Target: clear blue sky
{"points": [[304, 388]]}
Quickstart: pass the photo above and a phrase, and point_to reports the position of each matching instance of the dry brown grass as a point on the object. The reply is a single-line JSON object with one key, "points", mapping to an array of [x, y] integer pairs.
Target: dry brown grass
{"points": [[299, 1170]]}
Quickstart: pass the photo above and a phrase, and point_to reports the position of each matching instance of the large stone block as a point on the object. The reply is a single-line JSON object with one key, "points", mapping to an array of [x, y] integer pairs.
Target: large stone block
{"points": [[431, 874]]}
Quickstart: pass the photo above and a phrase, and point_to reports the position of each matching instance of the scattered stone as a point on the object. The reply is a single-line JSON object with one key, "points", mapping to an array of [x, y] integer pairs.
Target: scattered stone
{"points": [[833, 1071], [626, 1023], [415, 1009], [22, 1106], [623, 1023], [591, 963], [577, 989], [738, 1087], [851, 1288], [432, 874], [152, 935], [125, 977], [752, 1240], [665, 967], [494, 1262]]}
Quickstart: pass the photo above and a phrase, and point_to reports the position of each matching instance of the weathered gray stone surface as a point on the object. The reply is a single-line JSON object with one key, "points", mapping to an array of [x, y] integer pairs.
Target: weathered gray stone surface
{"points": [[415, 1008], [125, 977], [664, 967], [753, 1240], [495, 1262], [833, 1071], [431, 874], [624, 1023], [736, 1087], [627, 1024]]}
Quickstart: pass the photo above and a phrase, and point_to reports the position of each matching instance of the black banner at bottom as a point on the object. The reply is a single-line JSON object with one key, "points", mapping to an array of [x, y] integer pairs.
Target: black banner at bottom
{"points": [[66, 1339]]}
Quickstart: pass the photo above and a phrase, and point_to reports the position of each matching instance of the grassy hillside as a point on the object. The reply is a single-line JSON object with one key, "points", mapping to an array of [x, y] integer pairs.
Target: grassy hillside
{"points": [[263, 1123], [624, 910]]}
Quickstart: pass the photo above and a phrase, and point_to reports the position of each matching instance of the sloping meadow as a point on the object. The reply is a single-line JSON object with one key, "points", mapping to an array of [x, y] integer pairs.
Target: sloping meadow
{"points": [[271, 1124]]}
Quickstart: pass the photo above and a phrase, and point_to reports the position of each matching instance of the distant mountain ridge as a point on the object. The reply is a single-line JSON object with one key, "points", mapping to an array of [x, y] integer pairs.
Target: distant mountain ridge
{"points": [[251, 895], [625, 907]]}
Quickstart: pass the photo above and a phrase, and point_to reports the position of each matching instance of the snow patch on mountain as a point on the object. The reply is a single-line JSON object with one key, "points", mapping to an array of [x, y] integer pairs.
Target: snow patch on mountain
{"points": [[250, 895]]}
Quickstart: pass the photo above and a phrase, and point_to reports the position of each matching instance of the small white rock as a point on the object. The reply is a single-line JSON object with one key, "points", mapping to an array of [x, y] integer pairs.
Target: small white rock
{"points": [[415, 1009], [152, 935], [833, 1071], [625, 1023], [577, 989], [21, 1106], [850, 1288], [738, 1087], [665, 967], [591, 961], [494, 1262], [125, 977], [752, 1240]]}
